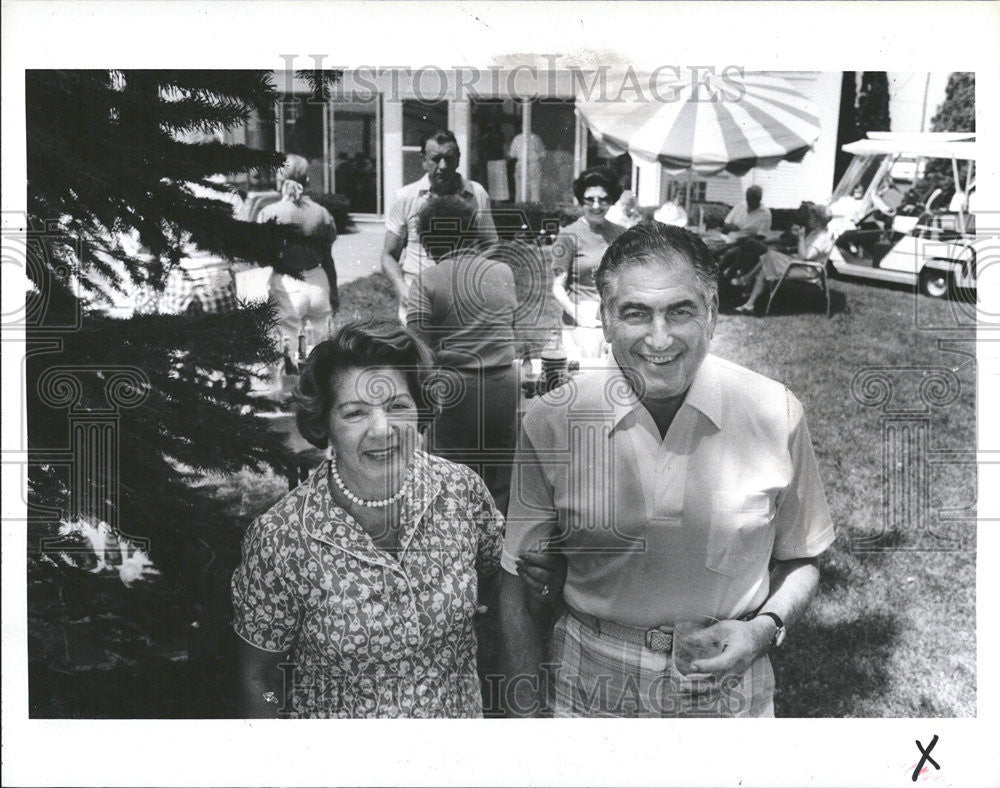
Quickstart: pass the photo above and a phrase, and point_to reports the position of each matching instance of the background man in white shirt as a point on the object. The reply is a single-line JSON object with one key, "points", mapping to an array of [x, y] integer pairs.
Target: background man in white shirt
{"points": [[748, 219], [403, 257]]}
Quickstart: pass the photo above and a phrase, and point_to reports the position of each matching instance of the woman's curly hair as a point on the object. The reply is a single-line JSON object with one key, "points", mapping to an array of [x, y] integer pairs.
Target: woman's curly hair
{"points": [[362, 344]]}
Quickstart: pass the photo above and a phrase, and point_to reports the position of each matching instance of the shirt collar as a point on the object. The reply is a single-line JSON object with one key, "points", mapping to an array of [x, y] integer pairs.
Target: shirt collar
{"points": [[336, 530], [424, 187], [704, 395]]}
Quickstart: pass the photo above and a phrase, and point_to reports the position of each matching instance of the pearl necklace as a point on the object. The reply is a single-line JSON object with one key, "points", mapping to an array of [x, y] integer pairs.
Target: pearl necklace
{"points": [[361, 501]]}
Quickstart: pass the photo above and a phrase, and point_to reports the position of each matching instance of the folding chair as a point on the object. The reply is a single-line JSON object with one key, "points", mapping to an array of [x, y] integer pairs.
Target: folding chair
{"points": [[808, 271]]}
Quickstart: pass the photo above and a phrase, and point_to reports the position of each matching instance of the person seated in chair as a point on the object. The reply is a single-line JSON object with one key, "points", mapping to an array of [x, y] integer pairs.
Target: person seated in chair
{"points": [[814, 245], [744, 224]]}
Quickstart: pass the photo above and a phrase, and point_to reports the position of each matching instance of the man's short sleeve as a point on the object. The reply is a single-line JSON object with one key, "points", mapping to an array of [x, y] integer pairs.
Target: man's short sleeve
{"points": [[395, 220], [731, 216], [531, 513], [484, 213], [265, 608], [764, 225], [803, 527]]}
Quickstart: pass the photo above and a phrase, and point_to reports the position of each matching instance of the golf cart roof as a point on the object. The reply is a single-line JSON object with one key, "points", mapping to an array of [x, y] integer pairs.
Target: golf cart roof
{"points": [[930, 145]]}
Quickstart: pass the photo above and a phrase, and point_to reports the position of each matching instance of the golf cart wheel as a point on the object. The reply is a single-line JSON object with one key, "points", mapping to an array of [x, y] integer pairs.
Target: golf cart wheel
{"points": [[934, 283]]}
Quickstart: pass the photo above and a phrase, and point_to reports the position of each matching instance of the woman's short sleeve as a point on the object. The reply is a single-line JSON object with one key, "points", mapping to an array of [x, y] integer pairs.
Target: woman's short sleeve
{"points": [[819, 246], [490, 527], [265, 607], [563, 253]]}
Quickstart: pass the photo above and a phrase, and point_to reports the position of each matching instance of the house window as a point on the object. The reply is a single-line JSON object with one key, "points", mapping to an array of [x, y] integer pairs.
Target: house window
{"points": [[549, 149], [302, 128], [419, 118], [494, 123], [261, 134], [356, 142], [554, 121], [341, 140]]}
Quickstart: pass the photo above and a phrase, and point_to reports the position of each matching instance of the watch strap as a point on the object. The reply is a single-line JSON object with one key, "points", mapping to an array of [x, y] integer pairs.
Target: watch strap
{"points": [[779, 633]]}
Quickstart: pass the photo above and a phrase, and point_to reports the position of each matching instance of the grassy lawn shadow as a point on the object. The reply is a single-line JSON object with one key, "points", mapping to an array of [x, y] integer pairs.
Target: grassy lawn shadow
{"points": [[837, 670]]}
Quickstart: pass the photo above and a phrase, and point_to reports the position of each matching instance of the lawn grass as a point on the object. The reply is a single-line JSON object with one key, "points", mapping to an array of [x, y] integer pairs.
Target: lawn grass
{"points": [[892, 631]]}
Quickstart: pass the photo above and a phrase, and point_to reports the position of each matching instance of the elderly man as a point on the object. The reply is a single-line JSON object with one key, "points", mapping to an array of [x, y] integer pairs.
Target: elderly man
{"points": [[748, 219], [743, 224], [678, 486], [403, 257]]}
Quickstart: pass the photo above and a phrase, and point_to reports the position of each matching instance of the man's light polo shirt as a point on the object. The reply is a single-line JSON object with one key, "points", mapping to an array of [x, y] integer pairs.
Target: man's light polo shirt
{"points": [[755, 222], [656, 531], [404, 218]]}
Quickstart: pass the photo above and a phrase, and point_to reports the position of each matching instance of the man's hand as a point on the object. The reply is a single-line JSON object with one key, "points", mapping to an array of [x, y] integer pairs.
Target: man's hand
{"points": [[741, 643]]}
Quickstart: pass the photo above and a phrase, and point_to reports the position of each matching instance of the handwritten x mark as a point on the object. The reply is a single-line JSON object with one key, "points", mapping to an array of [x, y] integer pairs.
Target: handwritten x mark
{"points": [[925, 755]]}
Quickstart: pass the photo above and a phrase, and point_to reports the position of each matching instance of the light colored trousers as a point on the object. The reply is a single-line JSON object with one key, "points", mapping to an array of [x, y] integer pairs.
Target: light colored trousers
{"points": [[302, 303]]}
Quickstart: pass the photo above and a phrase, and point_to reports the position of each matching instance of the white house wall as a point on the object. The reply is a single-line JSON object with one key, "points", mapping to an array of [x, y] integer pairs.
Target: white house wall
{"points": [[784, 187], [789, 184]]}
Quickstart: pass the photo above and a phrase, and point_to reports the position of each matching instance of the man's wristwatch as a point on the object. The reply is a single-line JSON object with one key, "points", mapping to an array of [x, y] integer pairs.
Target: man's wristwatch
{"points": [[779, 633]]}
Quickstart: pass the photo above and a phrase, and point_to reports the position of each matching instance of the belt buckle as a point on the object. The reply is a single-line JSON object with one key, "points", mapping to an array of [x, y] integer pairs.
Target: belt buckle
{"points": [[659, 641]]}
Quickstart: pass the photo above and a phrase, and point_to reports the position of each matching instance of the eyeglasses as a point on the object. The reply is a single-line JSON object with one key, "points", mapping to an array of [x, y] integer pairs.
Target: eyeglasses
{"points": [[596, 200]]}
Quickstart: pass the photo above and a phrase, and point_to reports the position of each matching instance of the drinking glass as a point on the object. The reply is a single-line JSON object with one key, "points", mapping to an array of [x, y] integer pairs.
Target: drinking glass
{"points": [[693, 640]]}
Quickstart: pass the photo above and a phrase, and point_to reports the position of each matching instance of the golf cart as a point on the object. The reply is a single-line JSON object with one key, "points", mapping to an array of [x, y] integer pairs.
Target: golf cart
{"points": [[877, 237]]}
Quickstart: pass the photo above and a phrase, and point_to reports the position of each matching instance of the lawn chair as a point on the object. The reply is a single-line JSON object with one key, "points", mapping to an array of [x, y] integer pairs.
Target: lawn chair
{"points": [[808, 271]]}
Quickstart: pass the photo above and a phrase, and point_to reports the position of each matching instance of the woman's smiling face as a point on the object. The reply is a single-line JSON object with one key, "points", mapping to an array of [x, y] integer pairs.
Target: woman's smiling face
{"points": [[595, 204], [373, 429]]}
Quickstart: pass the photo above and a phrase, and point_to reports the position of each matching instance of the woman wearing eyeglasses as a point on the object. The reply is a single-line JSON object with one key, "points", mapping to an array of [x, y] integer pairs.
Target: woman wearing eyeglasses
{"points": [[577, 253]]}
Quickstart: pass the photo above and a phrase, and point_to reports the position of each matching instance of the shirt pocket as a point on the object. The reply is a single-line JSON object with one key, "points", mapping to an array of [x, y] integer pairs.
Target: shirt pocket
{"points": [[740, 533]]}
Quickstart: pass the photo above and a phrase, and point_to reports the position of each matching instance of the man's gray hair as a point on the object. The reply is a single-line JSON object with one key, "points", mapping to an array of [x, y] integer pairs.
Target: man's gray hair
{"points": [[654, 242]]}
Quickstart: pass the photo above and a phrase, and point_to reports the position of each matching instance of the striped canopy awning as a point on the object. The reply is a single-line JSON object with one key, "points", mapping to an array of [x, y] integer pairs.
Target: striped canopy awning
{"points": [[700, 121]]}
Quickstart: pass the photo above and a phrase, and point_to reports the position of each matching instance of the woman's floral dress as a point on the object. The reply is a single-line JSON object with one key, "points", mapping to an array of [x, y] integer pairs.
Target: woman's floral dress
{"points": [[370, 634]]}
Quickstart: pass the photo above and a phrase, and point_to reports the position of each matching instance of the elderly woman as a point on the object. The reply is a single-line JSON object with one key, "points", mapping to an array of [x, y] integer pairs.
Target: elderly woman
{"points": [[576, 254], [463, 308], [356, 593], [304, 282], [814, 244]]}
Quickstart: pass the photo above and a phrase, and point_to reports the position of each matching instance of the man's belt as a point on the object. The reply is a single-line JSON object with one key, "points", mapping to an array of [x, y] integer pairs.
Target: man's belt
{"points": [[654, 638]]}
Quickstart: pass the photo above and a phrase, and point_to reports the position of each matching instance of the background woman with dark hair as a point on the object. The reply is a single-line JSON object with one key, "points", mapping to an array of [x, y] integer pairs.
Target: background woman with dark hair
{"points": [[464, 308], [577, 253], [361, 584]]}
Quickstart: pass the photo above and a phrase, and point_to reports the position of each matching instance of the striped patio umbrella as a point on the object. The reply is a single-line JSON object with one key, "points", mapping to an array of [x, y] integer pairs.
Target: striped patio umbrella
{"points": [[698, 121]]}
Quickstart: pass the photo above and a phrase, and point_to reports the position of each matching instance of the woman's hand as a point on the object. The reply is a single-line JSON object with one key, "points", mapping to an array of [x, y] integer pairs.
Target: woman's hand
{"points": [[543, 573]]}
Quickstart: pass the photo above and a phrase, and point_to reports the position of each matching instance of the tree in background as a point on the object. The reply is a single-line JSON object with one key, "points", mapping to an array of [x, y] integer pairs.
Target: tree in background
{"points": [[873, 103], [129, 549], [956, 113], [847, 126], [863, 108]]}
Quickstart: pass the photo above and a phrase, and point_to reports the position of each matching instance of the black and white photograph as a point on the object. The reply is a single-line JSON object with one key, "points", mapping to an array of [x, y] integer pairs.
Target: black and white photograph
{"points": [[578, 370]]}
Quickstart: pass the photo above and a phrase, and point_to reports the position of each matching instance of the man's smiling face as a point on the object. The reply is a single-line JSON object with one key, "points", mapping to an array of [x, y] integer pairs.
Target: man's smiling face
{"points": [[659, 322]]}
